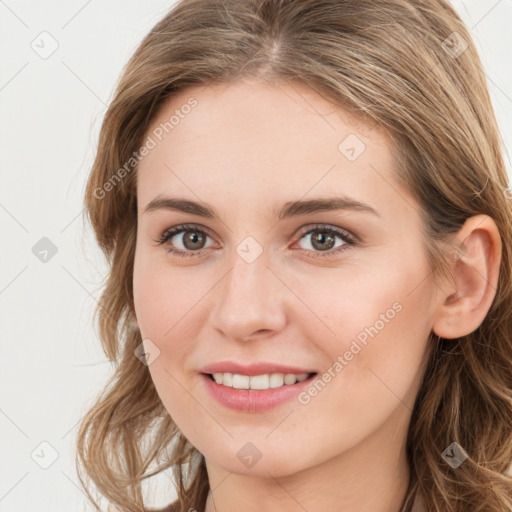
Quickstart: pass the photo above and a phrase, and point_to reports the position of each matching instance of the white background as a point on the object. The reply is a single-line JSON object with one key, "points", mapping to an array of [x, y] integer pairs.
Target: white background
{"points": [[51, 109]]}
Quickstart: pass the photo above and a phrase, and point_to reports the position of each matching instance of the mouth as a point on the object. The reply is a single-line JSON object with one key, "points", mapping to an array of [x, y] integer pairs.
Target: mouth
{"points": [[255, 393], [258, 382]]}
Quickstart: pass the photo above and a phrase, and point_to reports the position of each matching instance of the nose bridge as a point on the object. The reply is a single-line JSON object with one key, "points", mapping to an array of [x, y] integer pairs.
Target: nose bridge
{"points": [[249, 298]]}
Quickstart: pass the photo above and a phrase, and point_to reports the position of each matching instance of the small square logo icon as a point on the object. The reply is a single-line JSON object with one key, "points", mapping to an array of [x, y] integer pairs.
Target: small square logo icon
{"points": [[44, 455], [44, 250], [44, 45], [249, 455], [351, 147], [249, 249], [455, 455], [147, 352], [454, 45]]}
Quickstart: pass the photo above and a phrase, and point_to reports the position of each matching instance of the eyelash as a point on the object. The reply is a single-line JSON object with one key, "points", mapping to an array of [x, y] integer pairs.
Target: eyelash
{"points": [[349, 240]]}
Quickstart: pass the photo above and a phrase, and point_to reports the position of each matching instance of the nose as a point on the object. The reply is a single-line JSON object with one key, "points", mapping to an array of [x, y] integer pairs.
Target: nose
{"points": [[250, 301]]}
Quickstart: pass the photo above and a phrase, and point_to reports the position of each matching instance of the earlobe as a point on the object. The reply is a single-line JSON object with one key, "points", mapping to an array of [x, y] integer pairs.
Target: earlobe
{"points": [[465, 302]]}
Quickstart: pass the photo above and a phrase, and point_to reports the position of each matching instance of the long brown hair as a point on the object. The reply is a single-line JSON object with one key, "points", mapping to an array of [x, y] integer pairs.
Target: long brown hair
{"points": [[409, 66]]}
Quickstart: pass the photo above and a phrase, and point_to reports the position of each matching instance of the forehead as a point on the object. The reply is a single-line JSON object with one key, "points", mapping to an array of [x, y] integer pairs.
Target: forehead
{"points": [[252, 139]]}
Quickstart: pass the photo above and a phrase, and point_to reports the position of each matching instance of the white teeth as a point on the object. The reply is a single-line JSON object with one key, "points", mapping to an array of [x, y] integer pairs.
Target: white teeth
{"points": [[241, 381], [276, 380], [267, 381], [259, 382], [227, 379]]}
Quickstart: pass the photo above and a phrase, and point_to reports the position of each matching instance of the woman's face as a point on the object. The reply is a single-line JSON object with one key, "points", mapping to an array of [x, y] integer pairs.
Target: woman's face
{"points": [[338, 284]]}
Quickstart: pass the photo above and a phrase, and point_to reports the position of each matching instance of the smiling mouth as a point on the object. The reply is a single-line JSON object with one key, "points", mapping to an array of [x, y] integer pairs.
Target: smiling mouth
{"points": [[258, 382]]}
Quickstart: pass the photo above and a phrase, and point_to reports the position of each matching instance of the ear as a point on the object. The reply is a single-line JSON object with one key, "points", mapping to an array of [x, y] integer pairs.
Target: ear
{"points": [[465, 302]]}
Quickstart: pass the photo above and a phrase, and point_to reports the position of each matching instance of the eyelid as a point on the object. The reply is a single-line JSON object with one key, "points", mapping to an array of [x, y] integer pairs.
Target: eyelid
{"points": [[349, 239], [180, 228], [327, 227]]}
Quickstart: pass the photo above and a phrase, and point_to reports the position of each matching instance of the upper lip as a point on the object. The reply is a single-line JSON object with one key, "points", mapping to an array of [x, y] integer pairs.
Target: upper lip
{"points": [[253, 369]]}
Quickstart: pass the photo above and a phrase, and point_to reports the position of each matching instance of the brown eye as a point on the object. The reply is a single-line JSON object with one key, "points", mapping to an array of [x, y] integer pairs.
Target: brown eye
{"points": [[184, 240], [323, 240], [193, 240]]}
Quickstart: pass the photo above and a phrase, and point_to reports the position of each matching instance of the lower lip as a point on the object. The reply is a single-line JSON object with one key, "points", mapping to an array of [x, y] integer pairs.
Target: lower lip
{"points": [[254, 400]]}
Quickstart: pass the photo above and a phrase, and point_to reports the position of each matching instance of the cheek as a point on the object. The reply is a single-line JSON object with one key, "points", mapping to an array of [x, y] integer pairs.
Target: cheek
{"points": [[164, 304], [165, 299], [375, 324]]}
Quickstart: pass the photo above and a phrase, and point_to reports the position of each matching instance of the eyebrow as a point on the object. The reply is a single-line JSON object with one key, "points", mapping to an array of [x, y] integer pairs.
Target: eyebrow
{"points": [[289, 209]]}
